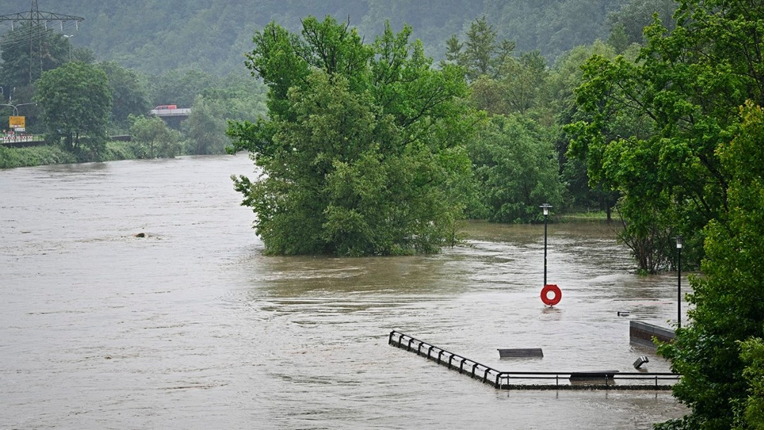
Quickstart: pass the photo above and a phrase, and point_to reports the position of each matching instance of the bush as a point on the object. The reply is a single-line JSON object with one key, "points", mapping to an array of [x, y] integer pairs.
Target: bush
{"points": [[34, 156]]}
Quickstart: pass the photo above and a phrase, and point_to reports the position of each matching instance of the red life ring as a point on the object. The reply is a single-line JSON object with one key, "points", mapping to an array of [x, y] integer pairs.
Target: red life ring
{"points": [[551, 288]]}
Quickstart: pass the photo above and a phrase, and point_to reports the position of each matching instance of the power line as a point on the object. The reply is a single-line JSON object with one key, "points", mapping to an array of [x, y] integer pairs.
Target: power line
{"points": [[38, 20]]}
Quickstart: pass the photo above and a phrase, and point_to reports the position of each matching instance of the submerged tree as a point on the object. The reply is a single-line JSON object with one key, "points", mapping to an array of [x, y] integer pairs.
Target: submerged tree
{"points": [[152, 138], [361, 154]]}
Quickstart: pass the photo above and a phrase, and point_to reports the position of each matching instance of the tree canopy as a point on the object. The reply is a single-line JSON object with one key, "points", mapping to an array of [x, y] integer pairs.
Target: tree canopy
{"points": [[76, 101], [361, 152], [650, 128], [679, 133]]}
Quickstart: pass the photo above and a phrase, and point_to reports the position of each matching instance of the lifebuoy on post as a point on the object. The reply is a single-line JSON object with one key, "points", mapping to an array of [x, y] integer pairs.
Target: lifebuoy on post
{"points": [[551, 288]]}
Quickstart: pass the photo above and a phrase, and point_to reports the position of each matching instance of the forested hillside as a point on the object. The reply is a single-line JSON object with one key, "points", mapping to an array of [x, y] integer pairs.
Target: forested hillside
{"points": [[212, 35]]}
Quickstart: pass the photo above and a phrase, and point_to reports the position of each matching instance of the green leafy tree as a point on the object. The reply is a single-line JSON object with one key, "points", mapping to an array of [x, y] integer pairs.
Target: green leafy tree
{"points": [[152, 138], [618, 38], [76, 102], [634, 16], [687, 86], [564, 77], [361, 154], [728, 299], [235, 98], [749, 412], [206, 127], [516, 169], [27, 51], [481, 53], [523, 81], [129, 94]]}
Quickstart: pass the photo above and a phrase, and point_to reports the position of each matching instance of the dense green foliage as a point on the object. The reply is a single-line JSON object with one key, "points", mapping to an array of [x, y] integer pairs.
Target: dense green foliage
{"points": [[367, 149], [36, 156], [749, 411], [650, 128], [56, 154], [129, 94], [728, 298], [211, 35], [361, 152], [152, 138], [514, 159], [516, 168], [679, 133], [76, 101]]}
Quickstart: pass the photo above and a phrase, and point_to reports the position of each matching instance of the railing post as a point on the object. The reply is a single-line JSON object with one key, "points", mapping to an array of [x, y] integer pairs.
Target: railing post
{"points": [[409, 345], [390, 337], [472, 371], [439, 356], [485, 374], [418, 348], [429, 349]]}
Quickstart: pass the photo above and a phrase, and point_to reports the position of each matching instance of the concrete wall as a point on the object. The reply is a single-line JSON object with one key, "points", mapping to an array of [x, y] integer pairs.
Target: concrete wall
{"points": [[642, 333]]}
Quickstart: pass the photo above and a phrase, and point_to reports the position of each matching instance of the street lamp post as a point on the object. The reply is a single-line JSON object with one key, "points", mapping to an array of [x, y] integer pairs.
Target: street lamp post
{"points": [[16, 107], [679, 297], [546, 211]]}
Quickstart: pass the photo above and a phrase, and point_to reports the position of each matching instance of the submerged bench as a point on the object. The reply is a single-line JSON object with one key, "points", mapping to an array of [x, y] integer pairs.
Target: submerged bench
{"points": [[595, 374], [520, 352]]}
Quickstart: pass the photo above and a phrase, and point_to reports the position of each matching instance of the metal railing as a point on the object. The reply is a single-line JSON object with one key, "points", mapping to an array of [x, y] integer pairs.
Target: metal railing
{"points": [[507, 380]]}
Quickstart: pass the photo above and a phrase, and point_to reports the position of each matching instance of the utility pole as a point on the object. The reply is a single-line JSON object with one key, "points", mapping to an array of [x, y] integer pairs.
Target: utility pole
{"points": [[38, 22]]}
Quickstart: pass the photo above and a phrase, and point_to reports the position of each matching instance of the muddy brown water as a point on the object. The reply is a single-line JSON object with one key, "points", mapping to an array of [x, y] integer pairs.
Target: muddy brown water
{"points": [[192, 327]]}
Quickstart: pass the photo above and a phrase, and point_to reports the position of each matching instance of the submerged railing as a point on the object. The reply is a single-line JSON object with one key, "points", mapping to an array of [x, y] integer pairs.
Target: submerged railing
{"points": [[508, 380]]}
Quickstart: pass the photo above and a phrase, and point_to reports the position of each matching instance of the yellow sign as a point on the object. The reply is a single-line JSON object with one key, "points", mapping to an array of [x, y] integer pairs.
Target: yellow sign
{"points": [[17, 122]]}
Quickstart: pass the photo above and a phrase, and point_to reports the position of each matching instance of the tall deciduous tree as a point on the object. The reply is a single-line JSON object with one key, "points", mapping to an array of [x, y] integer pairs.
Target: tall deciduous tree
{"points": [[516, 167], [699, 171], [129, 94], [687, 85], [206, 127], [361, 152], [76, 103], [728, 298], [152, 138]]}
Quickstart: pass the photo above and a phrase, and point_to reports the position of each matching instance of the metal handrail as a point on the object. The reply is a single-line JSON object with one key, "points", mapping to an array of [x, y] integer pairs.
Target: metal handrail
{"points": [[502, 379]]}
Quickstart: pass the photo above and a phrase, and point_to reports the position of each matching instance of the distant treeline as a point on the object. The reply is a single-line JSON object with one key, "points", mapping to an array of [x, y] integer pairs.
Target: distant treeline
{"points": [[212, 36]]}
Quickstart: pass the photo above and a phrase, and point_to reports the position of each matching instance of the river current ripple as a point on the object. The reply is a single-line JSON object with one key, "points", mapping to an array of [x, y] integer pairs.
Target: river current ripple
{"points": [[191, 327]]}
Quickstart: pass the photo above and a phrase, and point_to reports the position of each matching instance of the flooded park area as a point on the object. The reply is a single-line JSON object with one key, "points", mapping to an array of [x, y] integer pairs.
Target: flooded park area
{"points": [[191, 326]]}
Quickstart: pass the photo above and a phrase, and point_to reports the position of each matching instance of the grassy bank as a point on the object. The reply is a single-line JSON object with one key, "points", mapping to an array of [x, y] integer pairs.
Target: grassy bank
{"points": [[584, 216], [54, 154]]}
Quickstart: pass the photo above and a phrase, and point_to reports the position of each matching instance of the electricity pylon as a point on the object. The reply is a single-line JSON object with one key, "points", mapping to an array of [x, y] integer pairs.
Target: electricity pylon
{"points": [[38, 20]]}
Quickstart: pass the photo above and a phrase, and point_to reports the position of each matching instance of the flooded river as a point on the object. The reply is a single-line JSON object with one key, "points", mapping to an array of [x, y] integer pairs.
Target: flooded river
{"points": [[191, 327]]}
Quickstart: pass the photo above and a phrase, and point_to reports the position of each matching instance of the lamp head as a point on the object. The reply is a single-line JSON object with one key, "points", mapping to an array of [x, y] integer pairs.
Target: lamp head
{"points": [[546, 208], [679, 241]]}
